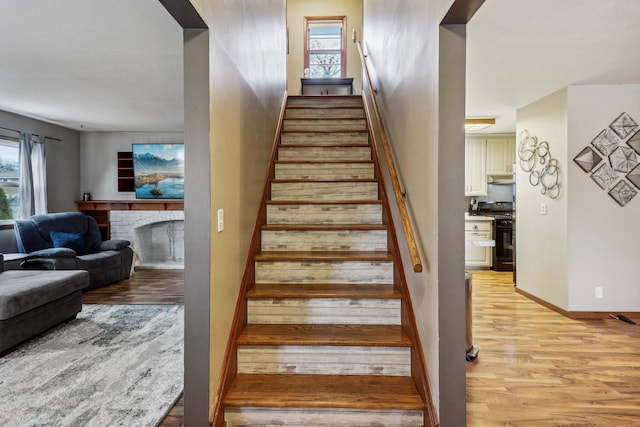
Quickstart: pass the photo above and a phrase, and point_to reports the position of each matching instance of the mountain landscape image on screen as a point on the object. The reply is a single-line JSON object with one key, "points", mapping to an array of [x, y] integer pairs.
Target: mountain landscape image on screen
{"points": [[159, 171]]}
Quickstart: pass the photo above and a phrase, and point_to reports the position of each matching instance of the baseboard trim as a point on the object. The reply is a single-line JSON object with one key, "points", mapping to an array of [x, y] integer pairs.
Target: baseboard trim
{"points": [[577, 315]]}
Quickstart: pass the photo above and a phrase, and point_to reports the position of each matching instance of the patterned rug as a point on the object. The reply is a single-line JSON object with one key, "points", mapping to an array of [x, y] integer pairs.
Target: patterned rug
{"points": [[115, 365]]}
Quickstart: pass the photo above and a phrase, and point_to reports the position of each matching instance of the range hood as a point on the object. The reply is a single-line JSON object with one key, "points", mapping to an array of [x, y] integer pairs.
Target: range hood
{"points": [[499, 179]]}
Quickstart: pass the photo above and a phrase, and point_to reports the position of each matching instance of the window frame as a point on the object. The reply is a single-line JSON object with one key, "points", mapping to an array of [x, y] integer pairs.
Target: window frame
{"points": [[343, 41], [6, 224]]}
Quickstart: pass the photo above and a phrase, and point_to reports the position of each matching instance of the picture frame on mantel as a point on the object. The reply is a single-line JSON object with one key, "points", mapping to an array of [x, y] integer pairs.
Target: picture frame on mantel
{"points": [[158, 171]]}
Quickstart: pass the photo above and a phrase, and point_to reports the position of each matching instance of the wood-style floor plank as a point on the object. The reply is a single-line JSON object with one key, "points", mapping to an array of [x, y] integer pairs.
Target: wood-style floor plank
{"points": [[146, 287], [539, 368], [143, 287]]}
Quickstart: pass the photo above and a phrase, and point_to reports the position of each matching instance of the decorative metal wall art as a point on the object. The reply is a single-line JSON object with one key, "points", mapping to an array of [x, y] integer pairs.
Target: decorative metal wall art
{"points": [[535, 158], [619, 176]]}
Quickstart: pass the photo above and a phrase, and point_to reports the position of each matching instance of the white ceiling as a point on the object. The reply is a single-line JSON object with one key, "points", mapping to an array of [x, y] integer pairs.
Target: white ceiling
{"points": [[92, 64], [519, 51], [103, 65]]}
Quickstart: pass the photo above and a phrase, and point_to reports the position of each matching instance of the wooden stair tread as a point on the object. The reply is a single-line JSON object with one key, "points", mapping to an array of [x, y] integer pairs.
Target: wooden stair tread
{"points": [[323, 202], [294, 181], [325, 256], [328, 290], [324, 391], [322, 227], [320, 131], [322, 162], [314, 334]]}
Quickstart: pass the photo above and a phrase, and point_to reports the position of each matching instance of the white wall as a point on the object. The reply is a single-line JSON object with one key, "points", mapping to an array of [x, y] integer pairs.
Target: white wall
{"points": [[541, 240], [63, 157], [98, 159], [586, 240], [603, 236], [296, 11]]}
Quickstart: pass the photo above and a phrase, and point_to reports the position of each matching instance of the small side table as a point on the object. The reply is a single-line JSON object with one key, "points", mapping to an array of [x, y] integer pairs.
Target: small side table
{"points": [[12, 261]]}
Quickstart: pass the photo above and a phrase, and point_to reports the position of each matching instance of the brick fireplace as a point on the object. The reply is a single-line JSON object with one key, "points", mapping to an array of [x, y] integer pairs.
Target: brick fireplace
{"points": [[157, 237], [155, 229]]}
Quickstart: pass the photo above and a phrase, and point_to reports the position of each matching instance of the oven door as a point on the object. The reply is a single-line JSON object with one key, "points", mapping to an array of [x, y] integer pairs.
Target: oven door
{"points": [[503, 260]]}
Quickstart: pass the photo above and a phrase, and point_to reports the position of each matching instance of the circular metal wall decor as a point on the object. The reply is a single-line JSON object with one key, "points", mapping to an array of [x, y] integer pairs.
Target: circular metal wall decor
{"points": [[535, 158]]}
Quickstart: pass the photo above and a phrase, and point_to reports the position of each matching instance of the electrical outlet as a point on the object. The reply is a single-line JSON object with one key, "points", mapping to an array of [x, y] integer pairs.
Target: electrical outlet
{"points": [[220, 220], [599, 292], [543, 209]]}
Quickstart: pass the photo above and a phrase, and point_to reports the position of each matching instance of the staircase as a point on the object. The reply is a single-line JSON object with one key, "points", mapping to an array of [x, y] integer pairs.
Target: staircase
{"points": [[323, 342]]}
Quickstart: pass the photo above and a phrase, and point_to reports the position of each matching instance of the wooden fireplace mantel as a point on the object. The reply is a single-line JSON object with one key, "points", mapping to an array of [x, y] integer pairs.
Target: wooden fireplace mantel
{"points": [[131, 205], [101, 209]]}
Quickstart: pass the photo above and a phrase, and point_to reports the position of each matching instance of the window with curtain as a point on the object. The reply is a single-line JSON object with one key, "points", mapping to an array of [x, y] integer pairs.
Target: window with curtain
{"points": [[325, 47], [9, 179]]}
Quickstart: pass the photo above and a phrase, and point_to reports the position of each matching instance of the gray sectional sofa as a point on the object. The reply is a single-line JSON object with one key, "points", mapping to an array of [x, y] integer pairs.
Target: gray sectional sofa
{"points": [[32, 301]]}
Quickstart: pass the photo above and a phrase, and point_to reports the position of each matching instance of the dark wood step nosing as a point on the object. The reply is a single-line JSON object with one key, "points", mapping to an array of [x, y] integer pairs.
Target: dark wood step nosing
{"points": [[324, 181], [324, 391], [328, 147], [323, 291], [324, 162], [324, 132], [324, 335], [322, 202], [324, 227]]}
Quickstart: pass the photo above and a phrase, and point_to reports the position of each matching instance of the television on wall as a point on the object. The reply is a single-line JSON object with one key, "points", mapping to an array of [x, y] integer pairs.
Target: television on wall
{"points": [[158, 171]]}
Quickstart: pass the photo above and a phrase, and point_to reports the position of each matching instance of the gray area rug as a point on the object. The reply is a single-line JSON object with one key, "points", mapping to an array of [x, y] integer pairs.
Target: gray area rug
{"points": [[115, 365]]}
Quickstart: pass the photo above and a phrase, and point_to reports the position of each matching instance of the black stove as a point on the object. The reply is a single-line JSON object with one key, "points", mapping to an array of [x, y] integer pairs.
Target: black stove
{"points": [[503, 214]]}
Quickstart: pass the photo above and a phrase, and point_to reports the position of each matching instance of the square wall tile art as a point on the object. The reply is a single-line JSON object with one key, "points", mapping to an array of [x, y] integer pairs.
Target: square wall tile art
{"points": [[612, 163]]}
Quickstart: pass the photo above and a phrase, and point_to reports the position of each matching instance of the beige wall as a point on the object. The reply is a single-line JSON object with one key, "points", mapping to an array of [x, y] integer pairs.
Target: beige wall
{"points": [[402, 39], [98, 159], [603, 236], [296, 11], [542, 239], [586, 240], [63, 159], [247, 85]]}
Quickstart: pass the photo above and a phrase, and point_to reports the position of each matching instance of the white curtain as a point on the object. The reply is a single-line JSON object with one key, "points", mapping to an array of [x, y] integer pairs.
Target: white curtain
{"points": [[33, 170]]}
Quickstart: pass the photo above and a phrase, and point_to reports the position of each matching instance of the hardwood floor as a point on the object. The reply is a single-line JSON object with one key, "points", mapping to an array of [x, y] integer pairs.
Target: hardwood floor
{"points": [[539, 368], [146, 287]]}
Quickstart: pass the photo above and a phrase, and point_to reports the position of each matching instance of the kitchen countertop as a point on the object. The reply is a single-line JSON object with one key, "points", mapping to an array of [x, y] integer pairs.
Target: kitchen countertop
{"points": [[468, 217], [484, 243]]}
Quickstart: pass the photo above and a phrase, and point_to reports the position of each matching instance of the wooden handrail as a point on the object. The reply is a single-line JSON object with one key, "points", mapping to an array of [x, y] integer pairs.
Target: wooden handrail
{"points": [[395, 182]]}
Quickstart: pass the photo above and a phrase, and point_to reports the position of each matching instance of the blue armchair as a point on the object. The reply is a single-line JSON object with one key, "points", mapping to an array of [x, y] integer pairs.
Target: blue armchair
{"points": [[72, 241]]}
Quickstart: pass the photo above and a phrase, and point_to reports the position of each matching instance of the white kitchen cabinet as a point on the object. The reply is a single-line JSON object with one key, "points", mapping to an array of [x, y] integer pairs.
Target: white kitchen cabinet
{"points": [[477, 256], [475, 172], [500, 155]]}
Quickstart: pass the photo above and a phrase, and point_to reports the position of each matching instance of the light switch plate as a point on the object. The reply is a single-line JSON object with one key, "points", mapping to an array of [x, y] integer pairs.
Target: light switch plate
{"points": [[220, 220]]}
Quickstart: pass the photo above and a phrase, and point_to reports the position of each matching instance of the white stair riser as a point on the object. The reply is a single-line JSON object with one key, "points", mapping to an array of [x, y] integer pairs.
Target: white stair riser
{"points": [[308, 417], [308, 272], [325, 311], [324, 171], [319, 154], [326, 214], [322, 125], [324, 191], [324, 113], [324, 360], [323, 138], [324, 102], [321, 240]]}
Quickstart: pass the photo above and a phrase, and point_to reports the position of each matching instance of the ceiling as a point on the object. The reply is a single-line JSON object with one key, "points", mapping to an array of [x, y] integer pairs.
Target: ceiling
{"points": [[94, 65], [97, 65], [519, 51]]}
